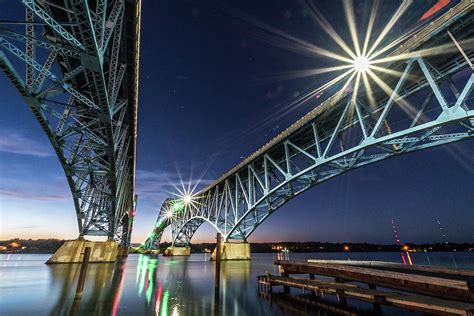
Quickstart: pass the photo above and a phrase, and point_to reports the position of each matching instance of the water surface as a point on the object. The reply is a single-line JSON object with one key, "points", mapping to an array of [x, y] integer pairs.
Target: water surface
{"points": [[151, 285]]}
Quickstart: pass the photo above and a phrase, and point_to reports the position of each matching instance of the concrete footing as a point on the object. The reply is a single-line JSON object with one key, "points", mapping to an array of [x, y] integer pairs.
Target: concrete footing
{"points": [[233, 251], [72, 251], [122, 251], [177, 251]]}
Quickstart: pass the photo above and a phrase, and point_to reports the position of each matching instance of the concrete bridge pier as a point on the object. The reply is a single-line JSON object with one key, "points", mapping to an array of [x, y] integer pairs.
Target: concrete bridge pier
{"points": [[233, 251], [72, 251], [122, 251], [177, 251]]}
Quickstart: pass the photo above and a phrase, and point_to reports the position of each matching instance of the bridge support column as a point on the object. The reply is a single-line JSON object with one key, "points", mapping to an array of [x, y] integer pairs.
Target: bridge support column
{"points": [[233, 251], [177, 251], [72, 251]]}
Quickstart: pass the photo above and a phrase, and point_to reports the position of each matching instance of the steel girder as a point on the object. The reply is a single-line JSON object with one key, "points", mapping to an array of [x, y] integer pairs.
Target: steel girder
{"points": [[347, 131], [237, 205], [77, 86]]}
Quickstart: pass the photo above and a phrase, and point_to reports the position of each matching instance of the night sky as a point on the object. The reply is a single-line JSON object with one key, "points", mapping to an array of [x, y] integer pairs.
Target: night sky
{"points": [[214, 87]]}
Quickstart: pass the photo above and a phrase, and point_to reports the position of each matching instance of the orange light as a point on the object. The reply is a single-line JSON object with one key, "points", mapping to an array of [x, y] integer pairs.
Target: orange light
{"points": [[406, 248], [409, 259], [15, 244], [346, 248]]}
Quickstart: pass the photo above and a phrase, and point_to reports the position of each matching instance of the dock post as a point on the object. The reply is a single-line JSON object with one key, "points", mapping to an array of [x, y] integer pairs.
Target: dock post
{"points": [[81, 281], [340, 294], [311, 277], [270, 286], [286, 289], [376, 304], [218, 268]]}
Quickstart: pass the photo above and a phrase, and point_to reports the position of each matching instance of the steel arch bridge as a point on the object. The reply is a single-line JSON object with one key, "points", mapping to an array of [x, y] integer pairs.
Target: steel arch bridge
{"points": [[75, 63], [430, 105]]}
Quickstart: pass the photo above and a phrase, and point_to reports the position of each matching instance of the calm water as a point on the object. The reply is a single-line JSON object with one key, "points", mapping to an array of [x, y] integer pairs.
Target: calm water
{"points": [[144, 285]]}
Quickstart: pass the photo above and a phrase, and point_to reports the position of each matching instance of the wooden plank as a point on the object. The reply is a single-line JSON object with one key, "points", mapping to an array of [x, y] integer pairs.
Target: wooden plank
{"points": [[456, 284], [461, 274], [404, 300], [434, 286], [322, 307]]}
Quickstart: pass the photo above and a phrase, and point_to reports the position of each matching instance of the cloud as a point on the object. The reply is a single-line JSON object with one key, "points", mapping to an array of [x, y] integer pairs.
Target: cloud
{"points": [[28, 227], [15, 143], [15, 194]]}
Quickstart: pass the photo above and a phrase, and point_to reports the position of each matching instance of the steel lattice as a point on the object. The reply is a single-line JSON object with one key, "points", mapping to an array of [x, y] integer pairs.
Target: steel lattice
{"points": [[344, 133], [81, 84]]}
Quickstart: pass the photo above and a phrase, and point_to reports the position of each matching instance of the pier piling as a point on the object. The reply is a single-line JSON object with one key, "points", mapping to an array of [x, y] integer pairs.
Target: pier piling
{"points": [[83, 272], [218, 267]]}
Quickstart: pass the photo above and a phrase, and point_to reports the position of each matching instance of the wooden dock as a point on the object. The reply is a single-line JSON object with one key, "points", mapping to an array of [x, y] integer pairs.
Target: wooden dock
{"points": [[423, 288]]}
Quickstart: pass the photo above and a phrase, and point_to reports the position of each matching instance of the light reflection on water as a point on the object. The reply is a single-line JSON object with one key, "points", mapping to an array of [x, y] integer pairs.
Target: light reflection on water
{"points": [[150, 285]]}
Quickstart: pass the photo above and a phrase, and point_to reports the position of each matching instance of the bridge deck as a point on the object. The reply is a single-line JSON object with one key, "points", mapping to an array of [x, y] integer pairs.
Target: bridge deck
{"points": [[409, 109], [418, 40], [132, 20], [131, 56]]}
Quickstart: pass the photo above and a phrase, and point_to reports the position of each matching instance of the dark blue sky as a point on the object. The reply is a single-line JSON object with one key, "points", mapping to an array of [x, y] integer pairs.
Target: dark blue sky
{"points": [[211, 83]]}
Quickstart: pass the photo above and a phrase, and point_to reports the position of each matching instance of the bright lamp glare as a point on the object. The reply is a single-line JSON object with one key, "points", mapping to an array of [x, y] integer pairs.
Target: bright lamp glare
{"points": [[169, 214], [187, 198], [361, 64]]}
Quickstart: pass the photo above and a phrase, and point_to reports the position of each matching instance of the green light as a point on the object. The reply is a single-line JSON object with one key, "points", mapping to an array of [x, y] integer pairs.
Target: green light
{"points": [[150, 282], [140, 259], [164, 306], [143, 275], [151, 278], [149, 290], [178, 206]]}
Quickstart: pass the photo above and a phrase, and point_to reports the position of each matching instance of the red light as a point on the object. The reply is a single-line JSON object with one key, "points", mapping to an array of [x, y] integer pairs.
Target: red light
{"points": [[438, 6]]}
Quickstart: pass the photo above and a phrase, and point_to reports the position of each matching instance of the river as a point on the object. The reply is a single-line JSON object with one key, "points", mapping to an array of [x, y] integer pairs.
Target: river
{"points": [[151, 285]]}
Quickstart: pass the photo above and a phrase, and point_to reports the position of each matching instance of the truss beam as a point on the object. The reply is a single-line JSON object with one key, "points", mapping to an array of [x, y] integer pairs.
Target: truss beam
{"points": [[67, 93]]}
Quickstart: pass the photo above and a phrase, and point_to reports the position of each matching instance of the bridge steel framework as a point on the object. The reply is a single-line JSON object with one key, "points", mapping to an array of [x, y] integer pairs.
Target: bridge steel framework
{"points": [[75, 63], [345, 132]]}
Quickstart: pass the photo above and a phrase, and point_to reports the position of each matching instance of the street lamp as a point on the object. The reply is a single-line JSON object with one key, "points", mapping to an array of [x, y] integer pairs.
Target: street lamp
{"points": [[361, 64], [187, 199]]}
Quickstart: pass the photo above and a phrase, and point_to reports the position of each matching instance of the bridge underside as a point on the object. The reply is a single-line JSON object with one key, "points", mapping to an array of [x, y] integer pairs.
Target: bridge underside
{"points": [[425, 101], [79, 78]]}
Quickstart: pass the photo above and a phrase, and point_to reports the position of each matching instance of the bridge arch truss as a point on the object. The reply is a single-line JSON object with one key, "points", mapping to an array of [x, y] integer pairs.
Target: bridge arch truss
{"points": [[80, 80], [428, 104]]}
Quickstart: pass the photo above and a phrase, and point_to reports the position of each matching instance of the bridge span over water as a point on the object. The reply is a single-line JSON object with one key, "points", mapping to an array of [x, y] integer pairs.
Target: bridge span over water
{"points": [[424, 100], [75, 63]]}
